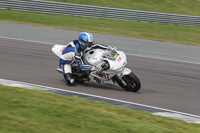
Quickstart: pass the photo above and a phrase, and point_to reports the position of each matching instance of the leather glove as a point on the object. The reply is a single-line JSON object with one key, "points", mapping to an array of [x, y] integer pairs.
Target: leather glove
{"points": [[99, 67], [93, 69]]}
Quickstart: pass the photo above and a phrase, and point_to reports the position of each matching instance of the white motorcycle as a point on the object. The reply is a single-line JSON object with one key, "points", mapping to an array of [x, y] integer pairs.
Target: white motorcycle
{"points": [[110, 67]]}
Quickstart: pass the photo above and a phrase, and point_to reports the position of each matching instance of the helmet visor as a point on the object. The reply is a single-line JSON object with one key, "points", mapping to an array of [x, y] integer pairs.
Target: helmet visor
{"points": [[90, 44], [87, 44]]}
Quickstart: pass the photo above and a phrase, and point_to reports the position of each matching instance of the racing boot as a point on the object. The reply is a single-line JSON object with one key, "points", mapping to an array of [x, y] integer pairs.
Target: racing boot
{"points": [[85, 75], [69, 78]]}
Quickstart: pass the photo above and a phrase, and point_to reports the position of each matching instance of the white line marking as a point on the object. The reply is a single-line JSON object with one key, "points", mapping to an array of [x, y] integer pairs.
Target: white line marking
{"points": [[167, 59], [177, 116], [26, 40], [34, 86], [127, 54]]}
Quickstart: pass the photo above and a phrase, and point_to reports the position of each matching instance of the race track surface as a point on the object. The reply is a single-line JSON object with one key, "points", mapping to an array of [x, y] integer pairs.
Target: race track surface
{"points": [[166, 84], [141, 47]]}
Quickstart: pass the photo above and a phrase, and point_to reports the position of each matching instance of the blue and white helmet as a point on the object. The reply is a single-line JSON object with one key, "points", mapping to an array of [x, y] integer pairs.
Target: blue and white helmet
{"points": [[86, 39]]}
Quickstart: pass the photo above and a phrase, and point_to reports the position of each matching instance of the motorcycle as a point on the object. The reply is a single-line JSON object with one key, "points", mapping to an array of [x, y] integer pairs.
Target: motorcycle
{"points": [[109, 64]]}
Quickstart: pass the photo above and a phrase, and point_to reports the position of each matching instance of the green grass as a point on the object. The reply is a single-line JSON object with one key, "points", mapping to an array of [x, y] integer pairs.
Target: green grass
{"points": [[185, 7], [151, 31], [24, 110]]}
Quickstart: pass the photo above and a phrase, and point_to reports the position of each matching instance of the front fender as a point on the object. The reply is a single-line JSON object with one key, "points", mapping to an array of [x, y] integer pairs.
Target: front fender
{"points": [[124, 71]]}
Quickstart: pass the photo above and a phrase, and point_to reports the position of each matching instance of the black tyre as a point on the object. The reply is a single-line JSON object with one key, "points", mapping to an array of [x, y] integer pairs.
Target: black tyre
{"points": [[79, 81], [132, 82]]}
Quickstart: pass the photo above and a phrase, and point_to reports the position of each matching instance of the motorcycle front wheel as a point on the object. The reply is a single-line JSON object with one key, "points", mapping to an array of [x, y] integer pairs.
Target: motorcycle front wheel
{"points": [[132, 82]]}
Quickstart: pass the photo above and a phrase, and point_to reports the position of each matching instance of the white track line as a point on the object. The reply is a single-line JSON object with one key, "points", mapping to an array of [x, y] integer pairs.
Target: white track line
{"points": [[127, 54], [25, 40], [166, 59]]}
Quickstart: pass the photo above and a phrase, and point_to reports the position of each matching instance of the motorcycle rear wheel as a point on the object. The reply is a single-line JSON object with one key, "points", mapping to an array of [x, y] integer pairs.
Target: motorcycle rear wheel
{"points": [[132, 82]]}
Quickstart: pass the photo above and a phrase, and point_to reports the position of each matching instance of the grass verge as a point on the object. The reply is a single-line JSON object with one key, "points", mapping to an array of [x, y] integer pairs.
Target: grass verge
{"points": [[24, 110], [186, 7], [151, 31]]}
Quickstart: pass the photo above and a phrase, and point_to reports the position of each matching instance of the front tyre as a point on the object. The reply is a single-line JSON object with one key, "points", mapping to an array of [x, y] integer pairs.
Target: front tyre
{"points": [[132, 83]]}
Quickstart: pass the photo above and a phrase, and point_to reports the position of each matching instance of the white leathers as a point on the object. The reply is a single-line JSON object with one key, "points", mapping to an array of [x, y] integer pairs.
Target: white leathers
{"points": [[70, 55], [67, 68], [97, 45]]}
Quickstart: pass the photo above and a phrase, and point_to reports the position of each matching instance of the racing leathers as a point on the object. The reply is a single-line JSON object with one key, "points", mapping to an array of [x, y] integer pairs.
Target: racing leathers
{"points": [[74, 52]]}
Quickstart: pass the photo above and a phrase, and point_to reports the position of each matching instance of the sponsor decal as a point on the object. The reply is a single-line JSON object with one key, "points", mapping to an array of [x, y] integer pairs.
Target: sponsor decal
{"points": [[119, 59], [127, 71], [62, 48], [105, 75], [116, 55]]}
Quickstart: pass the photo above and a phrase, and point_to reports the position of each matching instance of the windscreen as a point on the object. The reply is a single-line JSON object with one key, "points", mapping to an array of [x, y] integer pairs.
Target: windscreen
{"points": [[111, 54]]}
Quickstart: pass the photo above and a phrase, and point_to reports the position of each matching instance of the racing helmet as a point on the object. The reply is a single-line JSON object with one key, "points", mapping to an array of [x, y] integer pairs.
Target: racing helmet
{"points": [[86, 39]]}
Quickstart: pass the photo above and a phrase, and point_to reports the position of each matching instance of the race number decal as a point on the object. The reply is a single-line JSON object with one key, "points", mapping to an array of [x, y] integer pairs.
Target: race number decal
{"points": [[62, 48]]}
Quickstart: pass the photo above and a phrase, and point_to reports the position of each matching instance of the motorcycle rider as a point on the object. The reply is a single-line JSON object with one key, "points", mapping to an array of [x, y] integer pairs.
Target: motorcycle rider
{"points": [[74, 52]]}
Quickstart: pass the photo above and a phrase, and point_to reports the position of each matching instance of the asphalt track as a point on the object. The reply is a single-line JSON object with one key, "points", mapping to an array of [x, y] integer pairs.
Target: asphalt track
{"points": [[141, 47], [167, 84]]}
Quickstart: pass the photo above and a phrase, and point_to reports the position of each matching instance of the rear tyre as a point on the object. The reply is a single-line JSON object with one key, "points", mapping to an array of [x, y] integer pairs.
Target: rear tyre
{"points": [[132, 82]]}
